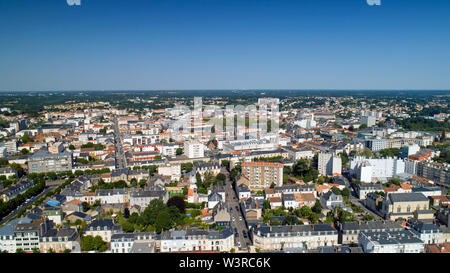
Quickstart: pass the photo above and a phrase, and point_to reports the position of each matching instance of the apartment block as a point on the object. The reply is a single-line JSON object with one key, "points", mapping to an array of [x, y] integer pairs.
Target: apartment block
{"points": [[260, 175]]}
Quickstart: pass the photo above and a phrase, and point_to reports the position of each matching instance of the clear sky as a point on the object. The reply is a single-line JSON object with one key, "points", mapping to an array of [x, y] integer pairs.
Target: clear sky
{"points": [[224, 44]]}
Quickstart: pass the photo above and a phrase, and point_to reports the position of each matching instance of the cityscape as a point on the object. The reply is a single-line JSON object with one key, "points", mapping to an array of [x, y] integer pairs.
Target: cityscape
{"points": [[256, 132], [358, 172]]}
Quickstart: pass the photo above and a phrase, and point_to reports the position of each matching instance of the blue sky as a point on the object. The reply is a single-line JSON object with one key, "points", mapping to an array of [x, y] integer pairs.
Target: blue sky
{"points": [[224, 44]]}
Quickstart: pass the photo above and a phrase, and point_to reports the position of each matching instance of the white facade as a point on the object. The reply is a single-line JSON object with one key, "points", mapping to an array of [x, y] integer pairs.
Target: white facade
{"points": [[277, 237], [370, 169], [329, 164], [172, 170], [390, 242], [194, 149], [410, 150], [369, 120], [185, 242]]}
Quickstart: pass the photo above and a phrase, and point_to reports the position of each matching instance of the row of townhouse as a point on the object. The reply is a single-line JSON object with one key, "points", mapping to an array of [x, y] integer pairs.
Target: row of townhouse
{"points": [[269, 238], [139, 197], [15, 189], [26, 234], [195, 239]]}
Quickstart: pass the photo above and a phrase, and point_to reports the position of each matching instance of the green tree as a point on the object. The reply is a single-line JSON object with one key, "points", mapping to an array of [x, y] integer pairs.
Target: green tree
{"points": [[162, 221], [178, 202], [26, 138], [366, 152], [317, 208], [345, 192], [313, 218], [304, 212], [336, 191]]}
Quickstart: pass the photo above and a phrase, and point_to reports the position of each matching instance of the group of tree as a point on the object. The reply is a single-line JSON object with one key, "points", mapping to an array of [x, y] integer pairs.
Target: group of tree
{"points": [[157, 216], [444, 157], [111, 185], [26, 138], [268, 159], [306, 212], [366, 152], [208, 180], [151, 168], [302, 169], [423, 124], [389, 152], [97, 146], [90, 243]]}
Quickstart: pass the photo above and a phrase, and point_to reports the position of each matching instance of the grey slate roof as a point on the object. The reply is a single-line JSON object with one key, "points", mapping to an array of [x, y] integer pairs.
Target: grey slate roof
{"points": [[407, 197], [8, 229], [371, 225], [393, 237]]}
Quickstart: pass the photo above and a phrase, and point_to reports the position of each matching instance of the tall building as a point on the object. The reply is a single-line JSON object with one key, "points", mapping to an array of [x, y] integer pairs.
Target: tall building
{"points": [[410, 150], [376, 144], [306, 121], [11, 146], [260, 175], [329, 164], [438, 173], [3, 152], [194, 149], [369, 120], [42, 161]]}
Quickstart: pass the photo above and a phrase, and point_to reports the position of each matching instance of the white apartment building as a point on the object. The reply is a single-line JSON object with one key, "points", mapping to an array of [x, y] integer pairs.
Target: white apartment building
{"points": [[368, 120], [329, 164], [370, 169], [410, 150], [403, 241], [306, 121], [171, 170], [194, 149], [122, 242], [296, 236], [194, 239]]}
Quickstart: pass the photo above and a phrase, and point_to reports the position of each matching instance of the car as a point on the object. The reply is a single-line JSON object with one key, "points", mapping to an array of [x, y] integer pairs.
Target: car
{"points": [[245, 235], [233, 219], [240, 218], [239, 244]]}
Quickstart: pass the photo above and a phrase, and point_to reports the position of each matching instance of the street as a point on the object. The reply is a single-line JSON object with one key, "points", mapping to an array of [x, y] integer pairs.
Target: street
{"points": [[26, 203], [120, 156], [354, 199], [238, 223]]}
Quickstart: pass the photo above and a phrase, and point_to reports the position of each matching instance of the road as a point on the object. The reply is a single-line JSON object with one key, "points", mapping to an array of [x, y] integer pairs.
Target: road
{"points": [[25, 204], [238, 223], [120, 156], [354, 197]]}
